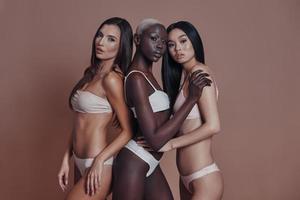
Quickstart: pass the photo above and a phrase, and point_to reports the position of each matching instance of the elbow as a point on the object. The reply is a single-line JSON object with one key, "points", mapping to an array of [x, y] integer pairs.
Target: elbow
{"points": [[215, 128], [127, 135]]}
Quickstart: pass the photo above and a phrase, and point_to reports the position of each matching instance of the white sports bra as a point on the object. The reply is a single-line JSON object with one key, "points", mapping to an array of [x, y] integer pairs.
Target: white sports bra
{"points": [[158, 100], [195, 113], [87, 102]]}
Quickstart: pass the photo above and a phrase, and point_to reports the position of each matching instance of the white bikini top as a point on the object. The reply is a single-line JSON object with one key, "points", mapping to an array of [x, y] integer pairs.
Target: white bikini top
{"points": [[87, 102], [194, 113], [158, 100]]}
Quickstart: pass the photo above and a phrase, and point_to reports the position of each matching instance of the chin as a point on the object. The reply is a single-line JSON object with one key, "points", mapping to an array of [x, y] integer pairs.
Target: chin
{"points": [[155, 59], [179, 61], [100, 56]]}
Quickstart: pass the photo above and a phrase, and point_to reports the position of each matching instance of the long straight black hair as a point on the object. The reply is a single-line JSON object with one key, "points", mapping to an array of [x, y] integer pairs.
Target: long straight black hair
{"points": [[171, 70], [122, 59]]}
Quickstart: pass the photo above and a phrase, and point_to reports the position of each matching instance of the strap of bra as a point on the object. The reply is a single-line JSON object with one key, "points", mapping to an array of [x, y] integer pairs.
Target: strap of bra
{"points": [[143, 75], [182, 81]]}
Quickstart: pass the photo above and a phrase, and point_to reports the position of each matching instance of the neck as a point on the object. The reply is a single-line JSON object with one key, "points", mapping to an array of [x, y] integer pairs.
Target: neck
{"points": [[189, 65], [105, 66], [139, 62]]}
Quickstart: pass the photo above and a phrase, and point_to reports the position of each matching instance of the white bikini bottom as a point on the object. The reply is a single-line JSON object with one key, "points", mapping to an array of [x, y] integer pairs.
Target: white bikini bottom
{"points": [[186, 180], [84, 163], [144, 155]]}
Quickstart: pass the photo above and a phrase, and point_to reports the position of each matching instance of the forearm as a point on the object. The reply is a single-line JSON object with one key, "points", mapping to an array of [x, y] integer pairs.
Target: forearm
{"points": [[169, 129], [69, 150], [115, 146], [203, 132]]}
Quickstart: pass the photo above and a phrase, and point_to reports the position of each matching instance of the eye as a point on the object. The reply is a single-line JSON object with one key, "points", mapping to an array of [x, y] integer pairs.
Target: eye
{"points": [[99, 35], [153, 38], [171, 45], [110, 39], [183, 41]]}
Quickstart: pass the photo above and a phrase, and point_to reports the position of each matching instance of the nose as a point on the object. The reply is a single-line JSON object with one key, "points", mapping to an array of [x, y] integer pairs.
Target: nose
{"points": [[101, 41], [160, 44], [177, 47]]}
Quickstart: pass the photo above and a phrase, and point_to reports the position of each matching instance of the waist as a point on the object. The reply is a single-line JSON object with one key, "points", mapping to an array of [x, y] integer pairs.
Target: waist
{"points": [[88, 142], [194, 157]]}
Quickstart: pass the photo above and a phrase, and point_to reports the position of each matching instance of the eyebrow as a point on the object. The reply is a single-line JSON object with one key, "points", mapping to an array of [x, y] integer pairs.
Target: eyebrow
{"points": [[182, 35], [100, 32], [112, 36]]}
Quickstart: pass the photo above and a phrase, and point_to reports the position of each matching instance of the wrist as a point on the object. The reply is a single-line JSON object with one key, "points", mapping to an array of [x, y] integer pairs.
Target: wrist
{"points": [[192, 99], [67, 157], [99, 159]]}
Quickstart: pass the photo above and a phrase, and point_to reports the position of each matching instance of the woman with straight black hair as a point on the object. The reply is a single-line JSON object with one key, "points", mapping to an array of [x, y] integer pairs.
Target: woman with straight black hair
{"points": [[98, 103], [200, 177]]}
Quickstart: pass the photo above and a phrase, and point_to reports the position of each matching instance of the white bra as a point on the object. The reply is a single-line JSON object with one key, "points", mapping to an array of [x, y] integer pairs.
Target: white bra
{"points": [[158, 100], [87, 102]]}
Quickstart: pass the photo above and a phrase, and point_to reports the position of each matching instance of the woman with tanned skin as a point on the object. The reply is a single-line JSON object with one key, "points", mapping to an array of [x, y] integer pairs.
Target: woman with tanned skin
{"points": [[200, 177], [98, 102], [137, 174]]}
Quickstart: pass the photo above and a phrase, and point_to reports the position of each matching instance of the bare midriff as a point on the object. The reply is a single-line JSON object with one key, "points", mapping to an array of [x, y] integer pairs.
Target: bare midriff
{"points": [[195, 156], [89, 133]]}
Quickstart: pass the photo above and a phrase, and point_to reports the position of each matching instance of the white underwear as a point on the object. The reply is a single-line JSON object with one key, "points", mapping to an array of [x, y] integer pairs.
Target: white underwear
{"points": [[144, 155], [186, 180], [84, 163]]}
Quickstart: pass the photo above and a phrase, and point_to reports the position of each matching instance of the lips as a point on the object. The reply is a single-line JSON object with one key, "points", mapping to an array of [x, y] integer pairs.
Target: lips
{"points": [[157, 54], [99, 50], [179, 56]]}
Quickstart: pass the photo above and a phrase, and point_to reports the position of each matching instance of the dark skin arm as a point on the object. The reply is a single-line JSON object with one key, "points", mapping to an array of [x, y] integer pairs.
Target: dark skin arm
{"points": [[156, 135]]}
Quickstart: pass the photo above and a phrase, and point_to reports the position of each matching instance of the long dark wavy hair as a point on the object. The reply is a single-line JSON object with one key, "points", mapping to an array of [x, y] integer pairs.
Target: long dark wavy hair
{"points": [[171, 70], [123, 57]]}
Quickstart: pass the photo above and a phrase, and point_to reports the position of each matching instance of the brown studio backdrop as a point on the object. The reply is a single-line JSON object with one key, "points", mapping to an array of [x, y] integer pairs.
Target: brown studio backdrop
{"points": [[252, 46]]}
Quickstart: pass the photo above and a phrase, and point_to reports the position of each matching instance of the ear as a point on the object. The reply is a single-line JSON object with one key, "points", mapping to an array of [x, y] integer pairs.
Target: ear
{"points": [[136, 39]]}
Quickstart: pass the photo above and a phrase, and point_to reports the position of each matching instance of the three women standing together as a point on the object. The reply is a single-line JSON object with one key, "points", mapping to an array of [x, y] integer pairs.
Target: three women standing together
{"points": [[116, 91]]}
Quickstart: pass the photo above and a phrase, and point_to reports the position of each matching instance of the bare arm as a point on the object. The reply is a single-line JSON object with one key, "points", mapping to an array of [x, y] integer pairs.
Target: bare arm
{"points": [[113, 85], [157, 135], [69, 151], [63, 174], [211, 124]]}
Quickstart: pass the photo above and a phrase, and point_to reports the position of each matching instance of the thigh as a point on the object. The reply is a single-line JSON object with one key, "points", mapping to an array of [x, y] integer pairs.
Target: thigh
{"points": [[129, 176], [157, 187], [78, 190], [184, 193], [208, 187]]}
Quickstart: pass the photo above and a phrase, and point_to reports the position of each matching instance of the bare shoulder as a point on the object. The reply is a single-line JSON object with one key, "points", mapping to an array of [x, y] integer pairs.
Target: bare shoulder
{"points": [[112, 80], [203, 67], [136, 79], [209, 71]]}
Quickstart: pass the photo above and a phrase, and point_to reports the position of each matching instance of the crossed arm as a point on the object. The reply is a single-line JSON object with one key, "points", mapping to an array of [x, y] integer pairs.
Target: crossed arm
{"points": [[211, 123], [156, 134]]}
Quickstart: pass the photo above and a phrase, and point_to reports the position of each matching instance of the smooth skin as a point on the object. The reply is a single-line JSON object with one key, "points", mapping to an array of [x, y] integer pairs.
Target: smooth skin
{"points": [[194, 141], [130, 182], [90, 129]]}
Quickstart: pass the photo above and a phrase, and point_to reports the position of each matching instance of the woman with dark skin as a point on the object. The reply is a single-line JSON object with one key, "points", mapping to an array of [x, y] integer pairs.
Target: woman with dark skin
{"points": [[97, 101], [137, 174], [200, 177]]}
